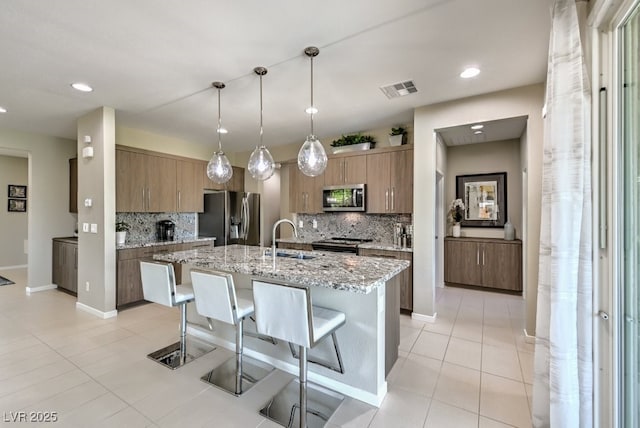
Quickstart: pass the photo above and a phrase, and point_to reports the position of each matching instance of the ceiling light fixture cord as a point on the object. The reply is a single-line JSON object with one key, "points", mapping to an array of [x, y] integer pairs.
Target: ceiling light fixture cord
{"points": [[312, 108], [219, 123], [261, 110]]}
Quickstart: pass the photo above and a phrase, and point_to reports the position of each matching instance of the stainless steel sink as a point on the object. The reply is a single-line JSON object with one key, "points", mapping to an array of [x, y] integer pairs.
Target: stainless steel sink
{"points": [[299, 256]]}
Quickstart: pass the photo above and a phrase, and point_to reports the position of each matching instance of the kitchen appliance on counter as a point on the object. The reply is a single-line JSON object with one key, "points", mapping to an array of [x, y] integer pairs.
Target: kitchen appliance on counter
{"points": [[340, 245], [165, 230], [231, 218], [343, 198]]}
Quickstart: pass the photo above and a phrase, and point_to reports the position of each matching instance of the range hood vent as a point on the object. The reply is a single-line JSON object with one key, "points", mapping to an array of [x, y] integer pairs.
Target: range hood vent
{"points": [[400, 89]]}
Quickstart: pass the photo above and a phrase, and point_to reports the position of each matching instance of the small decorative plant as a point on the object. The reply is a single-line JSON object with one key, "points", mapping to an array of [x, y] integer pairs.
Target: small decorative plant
{"points": [[121, 226], [348, 140], [398, 131], [456, 211]]}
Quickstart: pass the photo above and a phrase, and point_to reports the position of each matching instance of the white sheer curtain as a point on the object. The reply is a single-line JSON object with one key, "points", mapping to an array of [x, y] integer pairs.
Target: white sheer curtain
{"points": [[563, 385]]}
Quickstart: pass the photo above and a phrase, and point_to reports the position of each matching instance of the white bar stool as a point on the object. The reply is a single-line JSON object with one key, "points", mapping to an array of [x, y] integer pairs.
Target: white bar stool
{"points": [[159, 286], [285, 312], [217, 298]]}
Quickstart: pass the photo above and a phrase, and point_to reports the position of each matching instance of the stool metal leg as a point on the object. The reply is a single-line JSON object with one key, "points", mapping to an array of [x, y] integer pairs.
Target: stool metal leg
{"points": [[178, 354], [303, 387], [237, 375]]}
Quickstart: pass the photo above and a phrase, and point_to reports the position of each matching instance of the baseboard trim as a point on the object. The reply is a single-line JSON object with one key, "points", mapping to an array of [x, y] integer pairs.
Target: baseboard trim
{"points": [[96, 312], [30, 290], [424, 318], [13, 267], [528, 338]]}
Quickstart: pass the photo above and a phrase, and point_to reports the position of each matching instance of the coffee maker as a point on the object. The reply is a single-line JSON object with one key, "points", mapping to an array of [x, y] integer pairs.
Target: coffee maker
{"points": [[165, 230]]}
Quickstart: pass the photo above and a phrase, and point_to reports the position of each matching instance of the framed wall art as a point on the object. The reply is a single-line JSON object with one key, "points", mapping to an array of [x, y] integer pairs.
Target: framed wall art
{"points": [[17, 205], [16, 191], [484, 197]]}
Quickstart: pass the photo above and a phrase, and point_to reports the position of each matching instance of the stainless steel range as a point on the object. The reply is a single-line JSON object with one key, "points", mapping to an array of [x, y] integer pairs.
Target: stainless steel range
{"points": [[341, 245]]}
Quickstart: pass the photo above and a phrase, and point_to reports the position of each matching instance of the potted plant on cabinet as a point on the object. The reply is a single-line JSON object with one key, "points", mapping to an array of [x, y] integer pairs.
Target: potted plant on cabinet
{"points": [[121, 232], [398, 136], [456, 213], [354, 142]]}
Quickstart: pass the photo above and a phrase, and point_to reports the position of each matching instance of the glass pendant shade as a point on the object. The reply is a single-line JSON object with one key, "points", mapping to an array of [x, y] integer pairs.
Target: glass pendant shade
{"points": [[312, 158], [219, 169], [261, 165]]}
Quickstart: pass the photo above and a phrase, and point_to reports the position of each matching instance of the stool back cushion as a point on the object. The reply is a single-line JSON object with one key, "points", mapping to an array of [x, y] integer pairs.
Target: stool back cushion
{"points": [[158, 282], [215, 295], [283, 312]]}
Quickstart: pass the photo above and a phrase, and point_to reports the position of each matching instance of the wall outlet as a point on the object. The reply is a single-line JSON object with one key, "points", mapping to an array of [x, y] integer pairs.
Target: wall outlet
{"points": [[85, 227], [86, 286], [88, 202], [94, 228], [300, 224], [314, 224]]}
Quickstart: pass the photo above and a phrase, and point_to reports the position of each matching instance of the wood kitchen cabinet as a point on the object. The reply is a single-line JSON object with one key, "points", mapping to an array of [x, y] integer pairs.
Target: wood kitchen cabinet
{"points": [[390, 182], [236, 184], [305, 193], [346, 170], [65, 264], [405, 277], [483, 262], [298, 246], [189, 186], [128, 280], [145, 183], [73, 185]]}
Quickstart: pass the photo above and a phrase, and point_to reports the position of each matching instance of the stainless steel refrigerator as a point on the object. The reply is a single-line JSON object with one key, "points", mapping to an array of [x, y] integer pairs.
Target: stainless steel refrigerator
{"points": [[231, 217]]}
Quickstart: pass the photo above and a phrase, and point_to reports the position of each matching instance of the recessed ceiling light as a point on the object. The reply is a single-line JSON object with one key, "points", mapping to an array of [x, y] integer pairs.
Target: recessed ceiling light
{"points": [[3, 110], [311, 110], [478, 132], [478, 126], [82, 87], [470, 72], [223, 131]]}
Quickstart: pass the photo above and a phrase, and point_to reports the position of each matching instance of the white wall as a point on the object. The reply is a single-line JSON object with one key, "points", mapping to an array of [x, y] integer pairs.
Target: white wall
{"points": [[48, 206], [524, 101], [485, 158], [13, 225]]}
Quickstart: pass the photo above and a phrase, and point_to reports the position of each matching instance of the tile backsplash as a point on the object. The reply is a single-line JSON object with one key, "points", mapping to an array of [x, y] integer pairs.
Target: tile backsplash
{"points": [[378, 227], [143, 225]]}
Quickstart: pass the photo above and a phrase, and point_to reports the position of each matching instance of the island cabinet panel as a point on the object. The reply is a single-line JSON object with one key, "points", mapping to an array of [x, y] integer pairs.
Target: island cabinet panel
{"points": [[346, 170], [405, 278], [305, 193], [390, 182], [483, 262], [65, 265], [189, 186]]}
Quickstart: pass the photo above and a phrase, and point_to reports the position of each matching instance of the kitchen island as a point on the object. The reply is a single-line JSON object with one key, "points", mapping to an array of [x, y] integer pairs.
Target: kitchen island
{"points": [[364, 288]]}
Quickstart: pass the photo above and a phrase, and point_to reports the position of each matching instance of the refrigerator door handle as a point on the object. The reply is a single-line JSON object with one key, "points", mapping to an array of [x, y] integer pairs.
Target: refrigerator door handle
{"points": [[245, 218]]}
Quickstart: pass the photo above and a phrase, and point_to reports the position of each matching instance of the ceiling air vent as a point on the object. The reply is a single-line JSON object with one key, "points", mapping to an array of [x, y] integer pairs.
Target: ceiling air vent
{"points": [[401, 89]]}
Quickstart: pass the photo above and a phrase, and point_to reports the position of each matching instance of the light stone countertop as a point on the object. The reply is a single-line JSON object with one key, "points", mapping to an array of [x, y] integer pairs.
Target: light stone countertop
{"points": [[141, 244], [367, 245], [339, 271]]}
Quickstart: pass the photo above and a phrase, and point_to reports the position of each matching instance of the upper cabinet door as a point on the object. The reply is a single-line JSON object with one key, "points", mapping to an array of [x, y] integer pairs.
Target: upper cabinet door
{"points": [[130, 182], [189, 185], [378, 189], [161, 192], [346, 170], [401, 182]]}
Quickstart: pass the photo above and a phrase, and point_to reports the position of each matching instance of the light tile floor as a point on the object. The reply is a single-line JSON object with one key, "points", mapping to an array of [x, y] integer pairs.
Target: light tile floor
{"points": [[471, 368]]}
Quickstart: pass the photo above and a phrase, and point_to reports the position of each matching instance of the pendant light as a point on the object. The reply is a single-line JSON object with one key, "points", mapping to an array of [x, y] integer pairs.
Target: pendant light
{"points": [[312, 158], [219, 169], [261, 165]]}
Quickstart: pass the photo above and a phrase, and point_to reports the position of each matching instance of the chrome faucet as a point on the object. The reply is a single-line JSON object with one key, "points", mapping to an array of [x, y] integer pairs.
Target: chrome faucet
{"points": [[273, 235]]}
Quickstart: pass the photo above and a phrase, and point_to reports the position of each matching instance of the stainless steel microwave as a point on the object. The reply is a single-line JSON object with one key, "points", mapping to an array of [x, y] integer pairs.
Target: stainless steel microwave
{"points": [[344, 198]]}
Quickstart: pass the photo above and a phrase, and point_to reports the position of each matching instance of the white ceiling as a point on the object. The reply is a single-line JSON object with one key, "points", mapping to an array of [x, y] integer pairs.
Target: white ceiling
{"points": [[493, 130], [154, 61]]}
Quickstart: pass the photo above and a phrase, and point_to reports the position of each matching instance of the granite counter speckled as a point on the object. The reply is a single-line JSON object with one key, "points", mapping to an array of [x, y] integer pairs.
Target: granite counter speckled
{"points": [[368, 245], [141, 244], [330, 270]]}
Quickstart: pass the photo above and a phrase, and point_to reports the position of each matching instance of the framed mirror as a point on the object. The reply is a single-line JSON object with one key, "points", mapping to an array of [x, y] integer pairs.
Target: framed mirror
{"points": [[484, 197]]}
